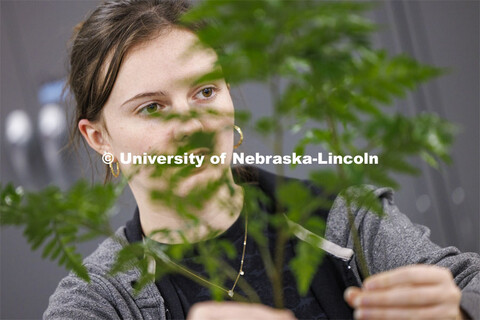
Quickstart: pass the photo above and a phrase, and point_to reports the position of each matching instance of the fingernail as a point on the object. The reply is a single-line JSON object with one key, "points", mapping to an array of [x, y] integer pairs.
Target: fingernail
{"points": [[347, 293], [357, 302], [358, 314]]}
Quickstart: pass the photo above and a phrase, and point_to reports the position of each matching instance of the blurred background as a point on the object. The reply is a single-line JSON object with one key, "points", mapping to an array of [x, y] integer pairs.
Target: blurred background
{"points": [[34, 125]]}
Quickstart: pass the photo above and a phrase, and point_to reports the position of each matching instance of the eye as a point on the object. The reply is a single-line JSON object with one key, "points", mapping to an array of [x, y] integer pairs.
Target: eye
{"points": [[206, 93], [151, 108]]}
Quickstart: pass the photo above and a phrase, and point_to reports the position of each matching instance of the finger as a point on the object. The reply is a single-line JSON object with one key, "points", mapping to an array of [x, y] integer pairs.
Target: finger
{"points": [[350, 294], [435, 312], [409, 275], [211, 310], [408, 296]]}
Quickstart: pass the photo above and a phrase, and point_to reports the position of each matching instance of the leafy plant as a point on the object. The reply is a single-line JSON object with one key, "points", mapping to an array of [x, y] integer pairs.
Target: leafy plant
{"points": [[60, 220], [326, 83]]}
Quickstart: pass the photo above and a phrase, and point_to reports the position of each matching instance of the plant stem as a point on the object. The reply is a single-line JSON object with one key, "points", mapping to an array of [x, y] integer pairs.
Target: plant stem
{"points": [[356, 242], [282, 236], [351, 218]]}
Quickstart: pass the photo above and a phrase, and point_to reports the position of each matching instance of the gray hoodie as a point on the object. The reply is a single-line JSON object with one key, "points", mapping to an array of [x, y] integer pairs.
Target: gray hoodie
{"points": [[388, 243]]}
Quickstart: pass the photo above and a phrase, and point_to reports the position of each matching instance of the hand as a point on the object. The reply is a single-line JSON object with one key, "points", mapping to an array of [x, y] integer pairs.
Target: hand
{"points": [[411, 292], [211, 310]]}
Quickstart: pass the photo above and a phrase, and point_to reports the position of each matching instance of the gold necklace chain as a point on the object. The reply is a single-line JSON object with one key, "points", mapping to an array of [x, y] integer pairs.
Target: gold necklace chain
{"points": [[240, 271]]}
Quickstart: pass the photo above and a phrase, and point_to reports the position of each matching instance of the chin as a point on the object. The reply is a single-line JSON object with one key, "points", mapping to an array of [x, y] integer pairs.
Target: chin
{"points": [[199, 178]]}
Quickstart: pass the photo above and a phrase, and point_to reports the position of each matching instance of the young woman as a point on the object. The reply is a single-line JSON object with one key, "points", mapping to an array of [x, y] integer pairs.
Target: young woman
{"points": [[131, 59]]}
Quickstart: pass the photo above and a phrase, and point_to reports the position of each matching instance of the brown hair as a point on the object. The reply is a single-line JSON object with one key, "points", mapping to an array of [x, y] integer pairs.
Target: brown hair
{"points": [[100, 43]]}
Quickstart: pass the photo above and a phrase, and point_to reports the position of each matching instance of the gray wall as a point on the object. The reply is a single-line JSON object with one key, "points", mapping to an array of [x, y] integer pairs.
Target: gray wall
{"points": [[442, 33]]}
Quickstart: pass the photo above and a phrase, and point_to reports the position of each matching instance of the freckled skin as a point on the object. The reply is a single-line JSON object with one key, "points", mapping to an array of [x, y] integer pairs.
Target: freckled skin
{"points": [[162, 65]]}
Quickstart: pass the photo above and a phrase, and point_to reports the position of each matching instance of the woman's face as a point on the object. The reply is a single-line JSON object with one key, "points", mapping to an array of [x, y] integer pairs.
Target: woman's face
{"points": [[159, 77]]}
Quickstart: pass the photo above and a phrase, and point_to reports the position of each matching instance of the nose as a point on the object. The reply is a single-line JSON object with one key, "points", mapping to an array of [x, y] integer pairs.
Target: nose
{"points": [[184, 129]]}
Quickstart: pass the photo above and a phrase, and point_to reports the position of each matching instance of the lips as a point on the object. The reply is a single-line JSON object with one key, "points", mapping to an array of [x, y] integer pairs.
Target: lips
{"points": [[201, 151]]}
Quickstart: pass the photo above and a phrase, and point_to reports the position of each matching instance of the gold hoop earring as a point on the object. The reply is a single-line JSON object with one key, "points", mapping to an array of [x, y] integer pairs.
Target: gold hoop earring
{"points": [[117, 173], [241, 137]]}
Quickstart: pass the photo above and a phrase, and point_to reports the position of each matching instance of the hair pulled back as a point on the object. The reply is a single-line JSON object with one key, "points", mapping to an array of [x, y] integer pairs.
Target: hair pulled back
{"points": [[100, 43]]}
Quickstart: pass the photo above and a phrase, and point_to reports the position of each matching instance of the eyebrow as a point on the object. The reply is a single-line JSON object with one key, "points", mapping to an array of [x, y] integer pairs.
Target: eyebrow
{"points": [[213, 74], [145, 95]]}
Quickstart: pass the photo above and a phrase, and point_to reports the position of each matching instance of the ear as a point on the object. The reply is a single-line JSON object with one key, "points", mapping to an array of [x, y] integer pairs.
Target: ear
{"points": [[94, 135]]}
